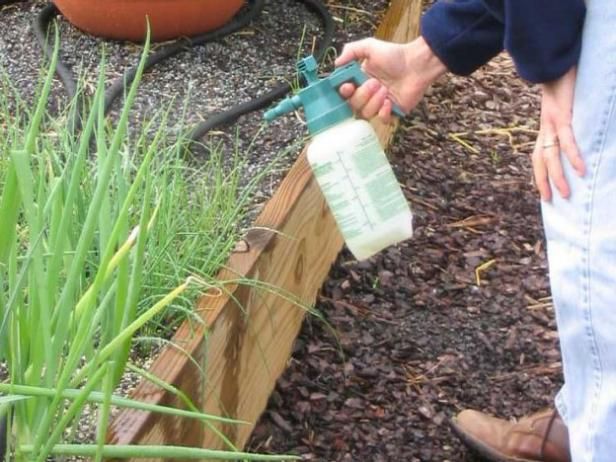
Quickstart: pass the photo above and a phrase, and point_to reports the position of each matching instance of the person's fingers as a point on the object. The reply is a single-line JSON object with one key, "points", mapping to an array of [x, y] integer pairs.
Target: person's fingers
{"points": [[550, 150], [374, 104], [385, 112], [364, 93], [347, 90], [355, 50], [540, 172], [569, 146]]}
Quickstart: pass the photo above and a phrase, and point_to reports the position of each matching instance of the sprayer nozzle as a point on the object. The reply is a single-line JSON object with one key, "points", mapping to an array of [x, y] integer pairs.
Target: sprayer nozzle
{"points": [[285, 106], [270, 115]]}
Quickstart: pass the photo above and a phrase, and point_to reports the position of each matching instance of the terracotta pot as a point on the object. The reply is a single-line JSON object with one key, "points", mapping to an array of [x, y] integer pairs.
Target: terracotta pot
{"points": [[169, 19]]}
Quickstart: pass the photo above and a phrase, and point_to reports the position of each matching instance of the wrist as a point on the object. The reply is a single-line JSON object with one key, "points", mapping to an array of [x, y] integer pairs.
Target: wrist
{"points": [[424, 62]]}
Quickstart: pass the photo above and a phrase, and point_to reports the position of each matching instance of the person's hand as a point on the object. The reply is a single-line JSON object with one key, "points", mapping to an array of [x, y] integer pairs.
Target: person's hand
{"points": [[400, 75], [556, 137]]}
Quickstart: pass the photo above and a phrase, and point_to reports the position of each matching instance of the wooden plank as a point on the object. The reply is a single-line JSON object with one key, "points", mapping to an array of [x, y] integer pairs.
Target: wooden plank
{"points": [[248, 332]]}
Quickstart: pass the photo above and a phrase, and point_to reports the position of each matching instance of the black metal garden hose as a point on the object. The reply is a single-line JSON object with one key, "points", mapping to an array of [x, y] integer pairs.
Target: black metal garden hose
{"points": [[117, 88]]}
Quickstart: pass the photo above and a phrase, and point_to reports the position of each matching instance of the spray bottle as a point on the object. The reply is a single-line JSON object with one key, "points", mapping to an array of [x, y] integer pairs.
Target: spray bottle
{"points": [[349, 163]]}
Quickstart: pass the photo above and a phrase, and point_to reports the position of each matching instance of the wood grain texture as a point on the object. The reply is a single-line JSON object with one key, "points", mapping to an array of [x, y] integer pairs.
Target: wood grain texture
{"points": [[249, 331]]}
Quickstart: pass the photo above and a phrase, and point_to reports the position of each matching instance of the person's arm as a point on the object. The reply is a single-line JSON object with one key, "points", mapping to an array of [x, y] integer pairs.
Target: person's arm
{"points": [[543, 37], [457, 36]]}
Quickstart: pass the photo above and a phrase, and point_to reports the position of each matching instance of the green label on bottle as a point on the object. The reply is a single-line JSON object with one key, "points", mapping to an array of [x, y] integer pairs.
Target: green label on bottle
{"points": [[360, 188]]}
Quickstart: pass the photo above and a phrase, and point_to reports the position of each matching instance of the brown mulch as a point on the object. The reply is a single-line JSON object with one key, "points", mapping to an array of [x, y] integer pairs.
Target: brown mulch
{"points": [[457, 317]]}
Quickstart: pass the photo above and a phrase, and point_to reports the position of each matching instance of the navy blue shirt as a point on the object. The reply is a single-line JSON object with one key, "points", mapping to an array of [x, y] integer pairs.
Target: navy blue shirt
{"points": [[543, 36]]}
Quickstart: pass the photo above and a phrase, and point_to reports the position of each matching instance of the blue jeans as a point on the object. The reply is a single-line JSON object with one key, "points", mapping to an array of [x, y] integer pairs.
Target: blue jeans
{"points": [[581, 236]]}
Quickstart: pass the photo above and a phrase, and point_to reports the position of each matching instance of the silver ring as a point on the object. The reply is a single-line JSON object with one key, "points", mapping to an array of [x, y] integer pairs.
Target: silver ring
{"points": [[550, 144]]}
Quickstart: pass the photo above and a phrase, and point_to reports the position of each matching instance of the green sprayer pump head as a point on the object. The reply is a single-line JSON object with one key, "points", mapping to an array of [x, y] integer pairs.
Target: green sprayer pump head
{"points": [[323, 105]]}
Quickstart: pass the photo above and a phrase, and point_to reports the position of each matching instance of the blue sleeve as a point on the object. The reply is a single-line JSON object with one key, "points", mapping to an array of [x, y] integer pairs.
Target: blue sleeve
{"points": [[543, 37], [464, 34]]}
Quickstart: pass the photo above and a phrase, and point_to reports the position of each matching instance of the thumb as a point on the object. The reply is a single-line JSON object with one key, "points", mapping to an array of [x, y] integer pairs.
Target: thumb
{"points": [[354, 51]]}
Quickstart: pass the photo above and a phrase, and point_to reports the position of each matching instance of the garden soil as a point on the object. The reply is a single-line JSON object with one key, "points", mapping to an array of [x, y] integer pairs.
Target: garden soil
{"points": [[457, 317]]}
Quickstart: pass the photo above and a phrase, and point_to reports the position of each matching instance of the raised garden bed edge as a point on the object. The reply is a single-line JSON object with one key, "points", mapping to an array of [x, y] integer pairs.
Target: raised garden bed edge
{"points": [[248, 333]]}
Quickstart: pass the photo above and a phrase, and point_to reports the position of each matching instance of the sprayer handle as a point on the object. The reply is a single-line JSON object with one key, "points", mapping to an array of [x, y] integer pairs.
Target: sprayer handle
{"points": [[353, 73]]}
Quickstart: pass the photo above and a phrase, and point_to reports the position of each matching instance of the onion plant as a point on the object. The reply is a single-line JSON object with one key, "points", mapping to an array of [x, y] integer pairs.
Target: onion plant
{"points": [[78, 216]]}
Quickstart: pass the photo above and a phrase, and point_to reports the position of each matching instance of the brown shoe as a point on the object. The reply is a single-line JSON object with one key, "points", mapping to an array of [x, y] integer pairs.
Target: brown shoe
{"points": [[540, 437]]}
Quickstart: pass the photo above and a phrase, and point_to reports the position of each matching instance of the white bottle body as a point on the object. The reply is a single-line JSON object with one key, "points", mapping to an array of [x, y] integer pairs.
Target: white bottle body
{"points": [[360, 187]]}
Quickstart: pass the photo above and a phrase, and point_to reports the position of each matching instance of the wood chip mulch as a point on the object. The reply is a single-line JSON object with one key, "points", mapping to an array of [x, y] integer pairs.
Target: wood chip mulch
{"points": [[457, 317]]}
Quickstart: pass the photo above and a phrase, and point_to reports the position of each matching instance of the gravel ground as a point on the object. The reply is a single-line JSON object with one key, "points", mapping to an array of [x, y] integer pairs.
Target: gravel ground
{"points": [[420, 337]]}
